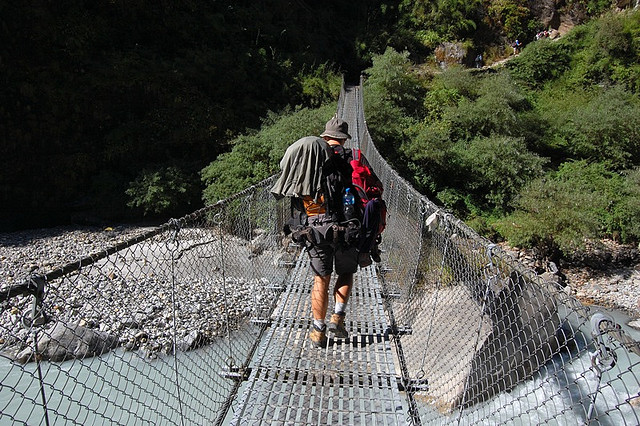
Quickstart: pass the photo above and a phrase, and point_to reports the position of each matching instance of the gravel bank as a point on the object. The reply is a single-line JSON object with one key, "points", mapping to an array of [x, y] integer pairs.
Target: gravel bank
{"points": [[606, 275], [42, 250], [617, 287], [124, 297]]}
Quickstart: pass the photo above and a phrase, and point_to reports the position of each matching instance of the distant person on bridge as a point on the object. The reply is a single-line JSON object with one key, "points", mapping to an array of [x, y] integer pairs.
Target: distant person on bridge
{"points": [[317, 174]]}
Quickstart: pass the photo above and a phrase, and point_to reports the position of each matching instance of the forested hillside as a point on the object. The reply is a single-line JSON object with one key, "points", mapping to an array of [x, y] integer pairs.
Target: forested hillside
{"points": [[112, 111], [543, 151]]}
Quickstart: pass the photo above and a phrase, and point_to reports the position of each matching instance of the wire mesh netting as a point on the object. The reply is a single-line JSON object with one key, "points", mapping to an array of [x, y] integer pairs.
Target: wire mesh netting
{"points": [[186, 323], [157, 331]]}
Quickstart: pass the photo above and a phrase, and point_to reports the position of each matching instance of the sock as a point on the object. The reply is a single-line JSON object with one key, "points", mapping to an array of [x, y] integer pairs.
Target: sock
{"points": [[319, 324], [340, 308]]}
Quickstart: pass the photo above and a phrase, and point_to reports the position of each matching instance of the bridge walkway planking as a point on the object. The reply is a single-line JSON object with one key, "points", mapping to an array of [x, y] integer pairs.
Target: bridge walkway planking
{"points": [[352, 381]]}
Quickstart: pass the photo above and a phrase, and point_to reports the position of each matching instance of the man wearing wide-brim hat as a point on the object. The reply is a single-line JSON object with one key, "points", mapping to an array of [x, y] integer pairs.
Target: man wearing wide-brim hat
{"points": [[304, 177]]}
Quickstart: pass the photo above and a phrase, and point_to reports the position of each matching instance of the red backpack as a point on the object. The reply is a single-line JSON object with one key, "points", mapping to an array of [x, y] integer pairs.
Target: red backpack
{"points": [[368, 185]]}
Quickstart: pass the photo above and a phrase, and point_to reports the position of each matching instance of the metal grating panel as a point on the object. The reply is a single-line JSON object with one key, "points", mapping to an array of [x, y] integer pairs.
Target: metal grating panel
{"points": [[352, 381]]}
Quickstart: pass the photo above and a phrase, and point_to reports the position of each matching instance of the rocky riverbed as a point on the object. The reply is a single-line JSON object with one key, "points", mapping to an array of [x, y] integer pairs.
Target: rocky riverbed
{"points": [[606, 274], [125, 296]]}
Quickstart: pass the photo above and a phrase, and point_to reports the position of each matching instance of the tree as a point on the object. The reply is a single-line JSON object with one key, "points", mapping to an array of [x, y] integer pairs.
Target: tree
{"points": [[442, 20], [600, 126], [514, 16], [256, 155], [162, 191], [393, 100], [579, 201]]}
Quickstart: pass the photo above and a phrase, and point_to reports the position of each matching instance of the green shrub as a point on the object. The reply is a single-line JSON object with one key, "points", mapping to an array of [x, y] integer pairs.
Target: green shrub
{"points": [[580, 201], [497, 168], [458, 201], [514, 17], [483, 226], [612, 39], [429, 143], [393, 97], [477, 133], [495, 110], [555, 106], [161, 191], [540, 62], [448, 89], [450, 19], [629, 77], [600, 127], [427, 149], [390, 80], [593, 7], [457, 78], [606, 51], [318, 85], [626, 213]]}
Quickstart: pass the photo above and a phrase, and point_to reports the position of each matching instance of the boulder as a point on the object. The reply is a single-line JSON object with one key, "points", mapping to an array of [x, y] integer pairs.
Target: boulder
{"points": [[547, 13], [69, 341], [193, 340], [525, 326], [490, 347], [450, 53]]}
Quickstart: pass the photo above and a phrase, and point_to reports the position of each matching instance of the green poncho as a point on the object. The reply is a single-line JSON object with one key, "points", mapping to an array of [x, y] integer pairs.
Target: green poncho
{"points": [[301, 168]]}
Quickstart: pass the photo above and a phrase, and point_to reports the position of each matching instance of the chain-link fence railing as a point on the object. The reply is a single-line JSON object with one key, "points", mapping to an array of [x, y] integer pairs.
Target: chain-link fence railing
{"points": [[156, 330]]}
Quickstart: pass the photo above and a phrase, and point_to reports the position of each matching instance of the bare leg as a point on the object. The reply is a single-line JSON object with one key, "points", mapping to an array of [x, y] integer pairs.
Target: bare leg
{"points": [[341, 293], [320, 296], [342, 290]]}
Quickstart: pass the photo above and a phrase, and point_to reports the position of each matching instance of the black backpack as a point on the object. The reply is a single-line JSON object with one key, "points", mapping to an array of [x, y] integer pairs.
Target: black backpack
{"points": [[336, 173]]}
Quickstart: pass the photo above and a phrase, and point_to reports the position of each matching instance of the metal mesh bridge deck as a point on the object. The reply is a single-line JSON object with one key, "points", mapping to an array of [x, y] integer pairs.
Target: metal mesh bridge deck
{"points": [[352, 381]]}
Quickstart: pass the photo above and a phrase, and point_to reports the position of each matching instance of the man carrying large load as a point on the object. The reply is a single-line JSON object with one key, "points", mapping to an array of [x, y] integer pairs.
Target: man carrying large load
{"points": [[330, 218]]}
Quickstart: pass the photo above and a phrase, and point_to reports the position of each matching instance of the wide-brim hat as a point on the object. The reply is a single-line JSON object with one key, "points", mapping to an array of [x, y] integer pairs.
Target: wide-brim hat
{"points": [[336, 128]]}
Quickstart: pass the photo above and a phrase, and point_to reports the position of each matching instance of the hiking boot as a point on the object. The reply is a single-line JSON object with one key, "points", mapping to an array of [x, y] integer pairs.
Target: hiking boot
{"points": [[318, 337], [336, 326]]}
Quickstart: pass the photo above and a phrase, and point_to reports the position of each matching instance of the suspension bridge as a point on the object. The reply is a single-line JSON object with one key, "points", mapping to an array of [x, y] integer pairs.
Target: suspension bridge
{"points": [[446, 329]]}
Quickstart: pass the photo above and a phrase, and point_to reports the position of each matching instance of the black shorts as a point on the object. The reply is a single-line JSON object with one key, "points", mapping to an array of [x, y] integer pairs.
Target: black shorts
{"points": [[324, 256], [325, 252]]}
